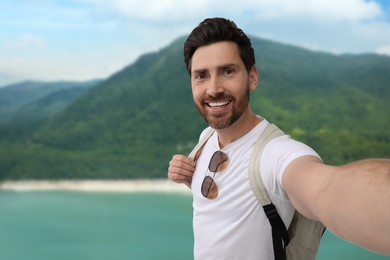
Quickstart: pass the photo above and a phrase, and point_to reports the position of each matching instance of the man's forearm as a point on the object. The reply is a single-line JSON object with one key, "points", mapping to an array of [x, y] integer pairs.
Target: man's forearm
{"points": [[358, 207]]}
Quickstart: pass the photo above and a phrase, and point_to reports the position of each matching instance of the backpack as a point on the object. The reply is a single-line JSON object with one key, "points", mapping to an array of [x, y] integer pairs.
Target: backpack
{"points": [[302, 239]]}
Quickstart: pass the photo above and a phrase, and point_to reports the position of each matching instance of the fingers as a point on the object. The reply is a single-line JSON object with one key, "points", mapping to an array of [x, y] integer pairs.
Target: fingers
{"points": [[181, 169]]}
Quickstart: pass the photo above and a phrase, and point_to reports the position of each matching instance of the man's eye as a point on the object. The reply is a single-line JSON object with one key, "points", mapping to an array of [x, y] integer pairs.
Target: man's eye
{"points": [[200, 76], [229, 71]]}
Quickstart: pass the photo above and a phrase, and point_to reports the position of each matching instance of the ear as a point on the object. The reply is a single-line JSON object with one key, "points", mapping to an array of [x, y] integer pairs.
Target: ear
{"points": [[253, 78]]}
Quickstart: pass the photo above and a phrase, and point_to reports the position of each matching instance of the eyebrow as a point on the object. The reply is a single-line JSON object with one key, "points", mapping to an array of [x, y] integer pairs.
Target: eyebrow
{"points": [[223, 66], [199, 71]]}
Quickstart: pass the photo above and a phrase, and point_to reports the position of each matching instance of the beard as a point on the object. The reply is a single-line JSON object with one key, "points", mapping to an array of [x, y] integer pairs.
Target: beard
{"points": [[225, 120]]}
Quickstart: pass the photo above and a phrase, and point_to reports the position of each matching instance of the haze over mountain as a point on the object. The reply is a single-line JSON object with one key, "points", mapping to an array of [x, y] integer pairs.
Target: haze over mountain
{"points": [[33, 100], [129, 125]]}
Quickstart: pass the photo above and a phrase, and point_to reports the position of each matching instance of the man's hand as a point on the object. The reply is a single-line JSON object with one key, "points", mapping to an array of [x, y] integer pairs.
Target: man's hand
{"points": [[181, 169]]}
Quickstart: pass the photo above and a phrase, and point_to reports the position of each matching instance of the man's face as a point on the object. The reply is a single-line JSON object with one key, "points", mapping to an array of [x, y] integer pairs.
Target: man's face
{"points": [[220, 83]]}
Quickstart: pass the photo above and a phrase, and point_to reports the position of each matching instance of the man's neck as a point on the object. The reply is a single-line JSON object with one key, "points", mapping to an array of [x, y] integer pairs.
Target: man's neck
{"points": [[241, 127]]}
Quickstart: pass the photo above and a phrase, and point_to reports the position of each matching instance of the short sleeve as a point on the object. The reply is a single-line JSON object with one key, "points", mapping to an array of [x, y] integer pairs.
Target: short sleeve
{"points": [[277, 155]]}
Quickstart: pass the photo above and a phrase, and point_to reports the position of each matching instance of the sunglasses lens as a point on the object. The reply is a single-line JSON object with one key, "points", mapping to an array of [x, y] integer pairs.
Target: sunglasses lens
{"points": [[218, 162], [209, 188]]}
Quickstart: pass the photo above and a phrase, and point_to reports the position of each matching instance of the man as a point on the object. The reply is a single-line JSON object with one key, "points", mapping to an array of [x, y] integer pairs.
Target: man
{"points": [[352, 201]]}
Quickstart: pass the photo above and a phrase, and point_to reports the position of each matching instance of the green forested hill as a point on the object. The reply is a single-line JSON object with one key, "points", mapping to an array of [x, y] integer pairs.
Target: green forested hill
{"points": [[130, 125], [32, 100]]}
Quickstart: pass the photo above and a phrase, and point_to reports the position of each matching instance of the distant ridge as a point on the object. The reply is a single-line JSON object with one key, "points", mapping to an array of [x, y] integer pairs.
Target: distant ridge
{"points": [[129, 125], [24, 97]]}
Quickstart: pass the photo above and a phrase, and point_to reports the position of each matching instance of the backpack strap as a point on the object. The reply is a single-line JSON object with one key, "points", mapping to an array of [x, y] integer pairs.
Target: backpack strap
{"points": [[257, 184], [208, 133], [280, 235]]}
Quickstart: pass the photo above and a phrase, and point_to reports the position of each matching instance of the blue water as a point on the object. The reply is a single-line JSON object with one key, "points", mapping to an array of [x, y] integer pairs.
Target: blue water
{"points": [[76, 225]]}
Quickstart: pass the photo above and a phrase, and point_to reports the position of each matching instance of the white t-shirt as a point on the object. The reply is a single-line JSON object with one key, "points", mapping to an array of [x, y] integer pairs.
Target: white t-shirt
{"points": [[234, 226]]}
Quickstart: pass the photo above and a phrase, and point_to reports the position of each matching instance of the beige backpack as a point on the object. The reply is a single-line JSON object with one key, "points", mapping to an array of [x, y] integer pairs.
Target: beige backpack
{"points": [[302, 239]]}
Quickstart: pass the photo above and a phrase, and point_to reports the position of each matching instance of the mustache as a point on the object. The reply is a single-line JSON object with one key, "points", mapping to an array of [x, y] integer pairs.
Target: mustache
{"points": [[218, 97]]}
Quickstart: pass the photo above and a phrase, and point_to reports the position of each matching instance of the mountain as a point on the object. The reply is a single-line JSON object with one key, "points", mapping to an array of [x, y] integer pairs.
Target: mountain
{"points": [[33, 100], [131, 124]]}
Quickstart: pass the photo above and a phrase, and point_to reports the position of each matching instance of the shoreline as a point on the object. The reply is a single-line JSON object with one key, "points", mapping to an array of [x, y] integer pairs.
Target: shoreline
{"points": [[138, 185]]}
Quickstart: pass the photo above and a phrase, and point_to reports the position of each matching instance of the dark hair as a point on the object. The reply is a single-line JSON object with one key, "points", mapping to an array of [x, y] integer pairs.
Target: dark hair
{"points": [[213, 30]]}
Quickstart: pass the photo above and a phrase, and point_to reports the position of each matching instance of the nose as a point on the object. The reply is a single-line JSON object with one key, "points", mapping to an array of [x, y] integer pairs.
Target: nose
{"points": [[215, 87]]}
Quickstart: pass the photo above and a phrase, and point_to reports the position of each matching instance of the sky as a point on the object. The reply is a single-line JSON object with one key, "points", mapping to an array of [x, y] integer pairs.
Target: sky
{"points": [[51, 40]]}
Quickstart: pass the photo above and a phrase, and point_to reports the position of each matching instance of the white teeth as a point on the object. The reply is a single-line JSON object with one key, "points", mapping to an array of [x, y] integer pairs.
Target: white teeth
{"points": [[218, 104]]}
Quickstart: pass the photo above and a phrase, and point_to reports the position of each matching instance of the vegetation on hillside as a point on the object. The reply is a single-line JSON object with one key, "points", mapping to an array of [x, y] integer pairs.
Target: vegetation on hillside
{"points": [[129, 125]]}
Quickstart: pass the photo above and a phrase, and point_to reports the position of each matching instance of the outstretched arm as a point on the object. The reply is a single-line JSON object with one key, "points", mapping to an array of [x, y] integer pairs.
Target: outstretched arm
{"points": [[352, 201]]}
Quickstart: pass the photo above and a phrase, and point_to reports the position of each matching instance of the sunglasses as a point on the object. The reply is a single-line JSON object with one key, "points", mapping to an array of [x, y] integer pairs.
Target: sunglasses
{"points": [[218, 162]]}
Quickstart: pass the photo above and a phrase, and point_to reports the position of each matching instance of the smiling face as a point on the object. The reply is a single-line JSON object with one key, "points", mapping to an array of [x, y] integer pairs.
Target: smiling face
{"points": [[221, 84]]}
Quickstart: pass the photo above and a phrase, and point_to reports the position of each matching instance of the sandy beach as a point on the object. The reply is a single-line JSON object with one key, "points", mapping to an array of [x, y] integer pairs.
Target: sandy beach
{"points": [[141, 185]]}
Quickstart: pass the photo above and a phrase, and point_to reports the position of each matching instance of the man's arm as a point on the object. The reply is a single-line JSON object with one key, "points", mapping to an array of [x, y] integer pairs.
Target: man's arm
{"points": [[352, 201]]}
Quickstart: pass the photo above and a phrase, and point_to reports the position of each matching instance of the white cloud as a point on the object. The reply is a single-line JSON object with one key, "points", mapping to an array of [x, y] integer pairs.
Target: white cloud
{"points": [[341, 26], [343, 10], [56, 66], [26, 41], [385, 50], [179, 10], [164, 11], [28, 68]]}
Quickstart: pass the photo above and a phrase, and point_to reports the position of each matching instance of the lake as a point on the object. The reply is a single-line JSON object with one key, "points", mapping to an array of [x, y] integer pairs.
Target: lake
{"points": [[112, 225]]}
